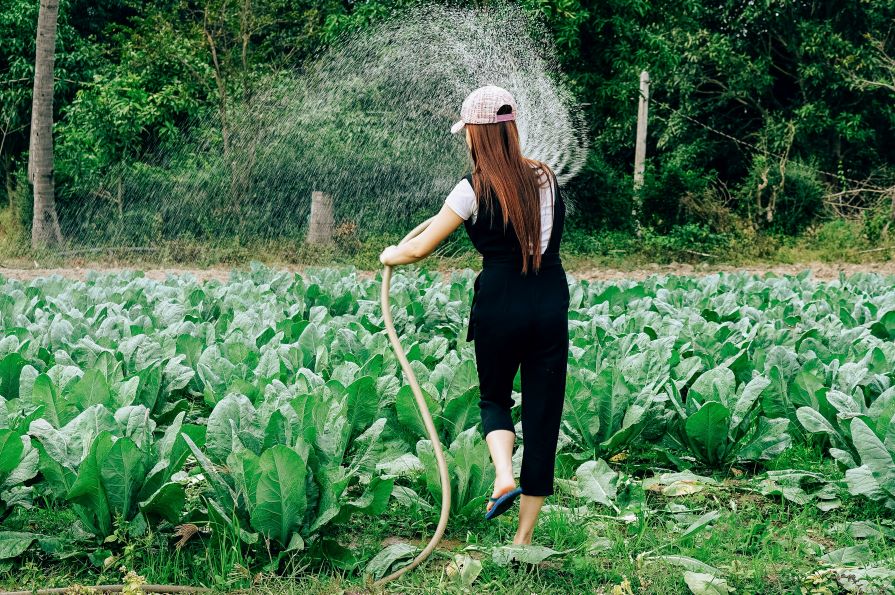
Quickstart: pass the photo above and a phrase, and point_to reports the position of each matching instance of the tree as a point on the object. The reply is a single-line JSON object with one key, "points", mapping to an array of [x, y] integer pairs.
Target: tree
{"points": [[45, 229]]}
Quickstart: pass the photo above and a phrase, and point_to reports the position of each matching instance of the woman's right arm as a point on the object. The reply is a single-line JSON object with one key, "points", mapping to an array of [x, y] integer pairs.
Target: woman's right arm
{"points": [[443, 224]]}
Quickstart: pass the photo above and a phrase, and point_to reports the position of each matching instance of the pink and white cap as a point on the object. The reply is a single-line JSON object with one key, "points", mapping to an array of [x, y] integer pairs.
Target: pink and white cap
{"points": [[481, 106]]}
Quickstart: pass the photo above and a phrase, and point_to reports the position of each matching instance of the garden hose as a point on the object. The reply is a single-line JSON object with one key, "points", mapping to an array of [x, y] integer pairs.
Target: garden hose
{"points": [[424, 412]]}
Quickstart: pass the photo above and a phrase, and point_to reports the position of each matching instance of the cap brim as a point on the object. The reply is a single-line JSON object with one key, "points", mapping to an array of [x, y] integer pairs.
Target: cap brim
{"points": [[457, 127]]}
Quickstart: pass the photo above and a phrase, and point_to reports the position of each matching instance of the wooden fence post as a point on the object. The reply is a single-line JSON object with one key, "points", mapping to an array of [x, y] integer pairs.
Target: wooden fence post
{"points": [[321, 221]]}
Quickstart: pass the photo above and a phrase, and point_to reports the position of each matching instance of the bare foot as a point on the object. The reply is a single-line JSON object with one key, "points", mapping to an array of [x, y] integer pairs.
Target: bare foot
{"points": [[502, 485]]}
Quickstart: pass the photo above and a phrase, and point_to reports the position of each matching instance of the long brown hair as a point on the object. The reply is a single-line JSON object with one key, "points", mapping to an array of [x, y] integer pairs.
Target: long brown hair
{"points": [[501, 171]]}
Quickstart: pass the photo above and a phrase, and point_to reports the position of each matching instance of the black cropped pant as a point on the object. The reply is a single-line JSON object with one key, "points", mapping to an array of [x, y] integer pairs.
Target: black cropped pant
{"points": [[521, 322]]}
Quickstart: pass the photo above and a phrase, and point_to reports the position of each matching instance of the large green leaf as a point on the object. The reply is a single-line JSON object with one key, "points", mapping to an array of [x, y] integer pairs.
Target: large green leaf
{"points": [[707, 432], [166, 503], [531, 554], [389, 559], [58, 479], [87, 490], [280, 498], [701, 583], [232, 424], [426, 454], [284, 426], [649, 368], [366, 451], [640, 415], [363, 403], [874, 455], [462, 412], [747, 399], [612, 395], [244, 467], [69, 445], [770, 438], [14, 543], [861, 482], [409, 414], [333, 429], [856, 555], [27, 469], [816, 423], [135, 422], [717, 384], [10, 369], [123, 471], [92, 389], [597, 483], [55, 409], [332, 481], [11, 448], [375, 497], [580, 420], [455, 381], [471, 472], [884, 328]]}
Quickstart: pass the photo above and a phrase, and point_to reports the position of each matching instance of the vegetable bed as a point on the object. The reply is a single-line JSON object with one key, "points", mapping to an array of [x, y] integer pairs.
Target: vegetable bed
{"points": [[265, 414]]}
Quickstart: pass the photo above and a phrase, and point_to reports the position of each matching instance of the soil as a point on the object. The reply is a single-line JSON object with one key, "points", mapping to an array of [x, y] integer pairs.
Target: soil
{"points": [[820, 270], [824, 271]]}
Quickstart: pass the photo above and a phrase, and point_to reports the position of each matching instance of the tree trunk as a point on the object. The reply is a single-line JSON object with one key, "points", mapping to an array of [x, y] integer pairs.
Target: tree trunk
{"points": [[45, 230]]}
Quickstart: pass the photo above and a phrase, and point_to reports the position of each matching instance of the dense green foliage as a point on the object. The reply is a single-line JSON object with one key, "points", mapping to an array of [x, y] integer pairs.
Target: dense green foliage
{"points": [[803, 82], [268, 411]]}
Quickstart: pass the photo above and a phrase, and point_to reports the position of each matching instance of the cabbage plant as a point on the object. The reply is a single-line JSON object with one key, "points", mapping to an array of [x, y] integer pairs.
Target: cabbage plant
{"points": [[719, 423], [285, 470], [470, 470], [111, 467], [873, 475], [862, 440]]}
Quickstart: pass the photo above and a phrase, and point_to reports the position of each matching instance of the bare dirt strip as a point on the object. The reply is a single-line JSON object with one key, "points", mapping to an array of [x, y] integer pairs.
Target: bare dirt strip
{"points": [[819, 270]]}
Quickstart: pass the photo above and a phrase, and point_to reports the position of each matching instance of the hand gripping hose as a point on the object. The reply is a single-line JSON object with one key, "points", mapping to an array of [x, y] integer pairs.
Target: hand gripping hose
{"points": [[424, 412]]}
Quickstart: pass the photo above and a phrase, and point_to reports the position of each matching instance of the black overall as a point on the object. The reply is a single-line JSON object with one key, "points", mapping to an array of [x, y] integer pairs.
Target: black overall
{"points": [[522, 321]]}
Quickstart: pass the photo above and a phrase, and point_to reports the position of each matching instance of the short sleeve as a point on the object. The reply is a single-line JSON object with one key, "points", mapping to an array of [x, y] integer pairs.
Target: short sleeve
{"points": [[462, 199]]}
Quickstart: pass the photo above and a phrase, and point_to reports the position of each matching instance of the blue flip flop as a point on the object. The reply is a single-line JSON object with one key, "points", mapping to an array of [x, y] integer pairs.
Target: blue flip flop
{"points": [[502, 504]]}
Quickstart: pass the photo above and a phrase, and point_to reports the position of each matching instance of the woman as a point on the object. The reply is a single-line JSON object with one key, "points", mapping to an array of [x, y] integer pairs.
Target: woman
{"points": [[519, 314]]}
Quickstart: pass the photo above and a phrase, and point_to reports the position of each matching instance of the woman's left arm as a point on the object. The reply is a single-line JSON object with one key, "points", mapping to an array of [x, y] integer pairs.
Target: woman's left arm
{"points": [[443, 224]]}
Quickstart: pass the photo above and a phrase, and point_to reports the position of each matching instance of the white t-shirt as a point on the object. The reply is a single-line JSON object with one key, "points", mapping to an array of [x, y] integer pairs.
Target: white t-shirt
{"points": [[462, 200]]}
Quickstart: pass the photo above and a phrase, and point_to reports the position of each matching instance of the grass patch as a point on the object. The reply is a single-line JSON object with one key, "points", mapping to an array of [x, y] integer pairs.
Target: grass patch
{"points": [[758, 544]]}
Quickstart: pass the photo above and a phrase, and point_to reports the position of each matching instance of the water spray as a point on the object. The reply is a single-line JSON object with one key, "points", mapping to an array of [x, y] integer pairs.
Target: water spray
{"points": [[366, 124], [424, 412]]}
